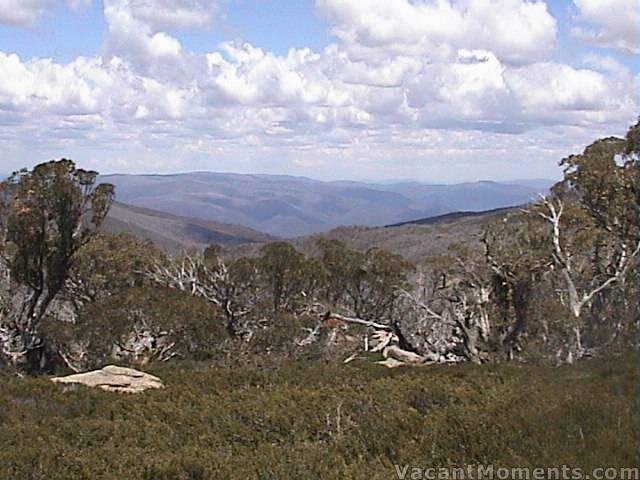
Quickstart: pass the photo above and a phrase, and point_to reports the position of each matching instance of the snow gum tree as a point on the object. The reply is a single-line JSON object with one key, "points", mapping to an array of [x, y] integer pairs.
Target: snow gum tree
{"points": [[47, 214]]}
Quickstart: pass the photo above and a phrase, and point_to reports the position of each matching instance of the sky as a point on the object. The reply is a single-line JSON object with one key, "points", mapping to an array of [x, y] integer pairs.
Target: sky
{"points": [[428, 90]]}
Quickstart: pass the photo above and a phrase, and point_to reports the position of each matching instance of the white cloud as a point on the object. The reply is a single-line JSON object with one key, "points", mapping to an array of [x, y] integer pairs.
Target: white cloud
{"points": [[78, 5], [161, 14], [518, 31], [41, 85], [616, 22], [558, 94], [248, 75], [22, 12], [413, 83], [130, 38], [110, 91], [27, 12]]}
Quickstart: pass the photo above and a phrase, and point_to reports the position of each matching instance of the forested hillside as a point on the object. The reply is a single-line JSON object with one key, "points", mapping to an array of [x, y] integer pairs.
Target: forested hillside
{"points": [[556, 279], [415, 241], [551, 283], [173, 233]]}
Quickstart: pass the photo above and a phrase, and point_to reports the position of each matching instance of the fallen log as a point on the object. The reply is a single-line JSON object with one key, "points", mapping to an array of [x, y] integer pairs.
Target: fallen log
{"points": [[404, 356]]}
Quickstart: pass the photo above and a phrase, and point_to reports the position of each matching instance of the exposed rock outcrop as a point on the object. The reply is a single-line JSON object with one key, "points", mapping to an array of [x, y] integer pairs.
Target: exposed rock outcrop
{"points": [[114, 379]]}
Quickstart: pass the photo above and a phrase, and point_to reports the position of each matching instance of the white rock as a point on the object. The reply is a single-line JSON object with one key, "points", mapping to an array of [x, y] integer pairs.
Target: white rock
{"points": [[114, 379]]}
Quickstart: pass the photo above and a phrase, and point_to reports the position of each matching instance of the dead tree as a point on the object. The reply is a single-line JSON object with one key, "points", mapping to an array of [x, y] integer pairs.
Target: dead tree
{"points": [[231, 288], [450, 319]]}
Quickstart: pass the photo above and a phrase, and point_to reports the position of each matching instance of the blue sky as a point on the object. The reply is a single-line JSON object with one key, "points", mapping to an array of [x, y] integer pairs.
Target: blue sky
{"points": [[276, 26], [434, 90]]}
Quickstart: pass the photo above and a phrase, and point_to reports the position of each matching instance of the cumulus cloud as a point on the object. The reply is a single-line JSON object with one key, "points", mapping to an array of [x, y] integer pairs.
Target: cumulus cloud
{"points": [[41, 85], [551, 93], [518, 31], [613, 23], [87, 87], [422, 80], [131, 38]]}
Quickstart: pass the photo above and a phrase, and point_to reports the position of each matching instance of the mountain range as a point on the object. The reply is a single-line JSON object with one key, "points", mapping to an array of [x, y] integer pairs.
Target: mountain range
{"points": [[287, 206], [177, 234], [415, 241]]}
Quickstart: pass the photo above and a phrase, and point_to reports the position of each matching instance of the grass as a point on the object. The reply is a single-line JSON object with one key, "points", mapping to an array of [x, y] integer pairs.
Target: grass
{"points": [[298, 420]]}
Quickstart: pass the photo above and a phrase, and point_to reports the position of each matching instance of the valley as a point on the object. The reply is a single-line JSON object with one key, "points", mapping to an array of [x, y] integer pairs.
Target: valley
{"points": [[287, 206]]}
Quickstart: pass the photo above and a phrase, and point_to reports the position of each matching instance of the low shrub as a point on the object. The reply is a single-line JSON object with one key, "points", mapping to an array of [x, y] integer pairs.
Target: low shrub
{"points": [[309, 419]]}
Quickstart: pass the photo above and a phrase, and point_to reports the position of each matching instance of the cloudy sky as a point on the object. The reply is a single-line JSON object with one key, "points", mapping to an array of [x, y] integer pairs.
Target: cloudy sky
{"points": [[433, 90]]}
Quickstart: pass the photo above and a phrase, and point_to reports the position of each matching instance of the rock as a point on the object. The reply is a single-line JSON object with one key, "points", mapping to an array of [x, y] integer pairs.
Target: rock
{"points": [[114, 379], [391, 363]]}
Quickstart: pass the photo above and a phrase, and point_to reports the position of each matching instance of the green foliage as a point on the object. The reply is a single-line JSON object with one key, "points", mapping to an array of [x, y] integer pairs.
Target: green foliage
{"points": [[267, 411], [108, 265], [600, 193], [55, 210], [289, 277], [47, 215], [518, 250], [365, 283], [302, 420], [606, 189], [279, 335], [149, 316]]}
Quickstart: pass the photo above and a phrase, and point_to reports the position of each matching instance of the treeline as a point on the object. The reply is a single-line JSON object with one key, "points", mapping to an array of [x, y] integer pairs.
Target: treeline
{"points": [[557, 280]]}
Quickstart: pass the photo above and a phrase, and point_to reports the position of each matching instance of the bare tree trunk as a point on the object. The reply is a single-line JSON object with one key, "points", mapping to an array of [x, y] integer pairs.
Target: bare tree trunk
{"points": [[563, 261], [578, 338], [21, 342]]}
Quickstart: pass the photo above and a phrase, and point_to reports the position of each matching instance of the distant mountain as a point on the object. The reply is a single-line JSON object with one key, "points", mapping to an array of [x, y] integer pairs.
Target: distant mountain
{"points": [[541, 183], [175, 233], [415, 241], [289, 206]]}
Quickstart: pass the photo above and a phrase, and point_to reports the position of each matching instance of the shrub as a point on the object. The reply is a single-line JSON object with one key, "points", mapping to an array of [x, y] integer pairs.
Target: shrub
{"points": [[301, 419], [142, 324]]}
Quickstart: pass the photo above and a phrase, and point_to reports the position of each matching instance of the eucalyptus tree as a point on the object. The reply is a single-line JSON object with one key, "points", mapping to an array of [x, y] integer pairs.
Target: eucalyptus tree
{"points": [[517, 252], [47, 215], [594, 224], [290, 279], [231, 287], [366, 284]]}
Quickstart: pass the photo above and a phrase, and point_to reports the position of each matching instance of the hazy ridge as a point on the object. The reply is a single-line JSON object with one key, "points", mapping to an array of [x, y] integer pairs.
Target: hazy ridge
{"points": [[289, 206], [175, 233]]}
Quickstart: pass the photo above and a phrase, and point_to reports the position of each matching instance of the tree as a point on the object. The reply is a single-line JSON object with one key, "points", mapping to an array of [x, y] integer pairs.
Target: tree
{"points": [[343, 268], [594, 223], [237, 290], [48, 214], [108, 265], [288, 276], [365, 284], [137, 326], [461, 298], [517, 251], [232, 287]]}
